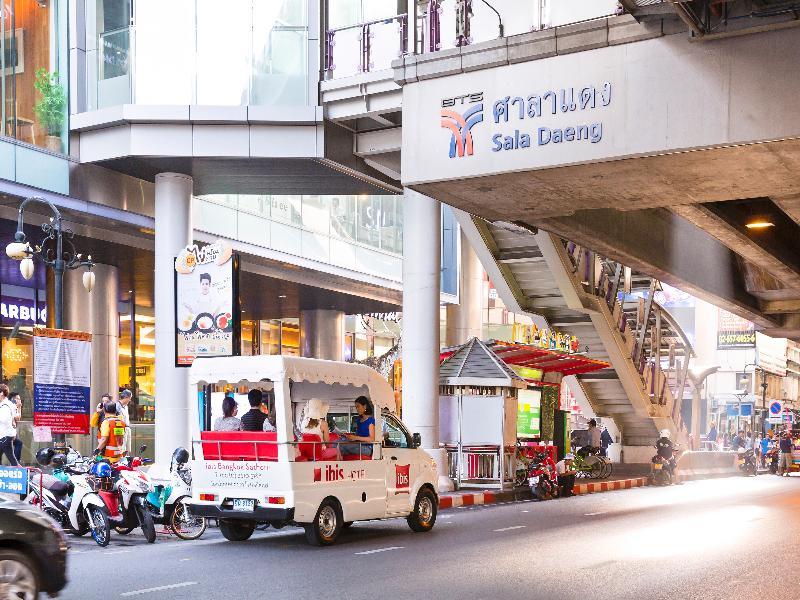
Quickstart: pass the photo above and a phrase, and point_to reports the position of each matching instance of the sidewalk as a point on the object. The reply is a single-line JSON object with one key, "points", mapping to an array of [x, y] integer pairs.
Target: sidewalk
{"points": [[624, 476]]}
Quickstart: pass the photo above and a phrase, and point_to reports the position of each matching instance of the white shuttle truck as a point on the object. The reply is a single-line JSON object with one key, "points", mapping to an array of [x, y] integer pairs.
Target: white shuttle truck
{"points": [[245, 479]]}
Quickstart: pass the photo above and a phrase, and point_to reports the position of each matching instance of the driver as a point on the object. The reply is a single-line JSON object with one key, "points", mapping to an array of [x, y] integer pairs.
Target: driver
{"points": [[665, 448]]}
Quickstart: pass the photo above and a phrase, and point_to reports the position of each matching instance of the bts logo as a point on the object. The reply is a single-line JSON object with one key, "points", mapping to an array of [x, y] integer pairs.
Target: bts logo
{"points": [[461, 126], [401, 478]]}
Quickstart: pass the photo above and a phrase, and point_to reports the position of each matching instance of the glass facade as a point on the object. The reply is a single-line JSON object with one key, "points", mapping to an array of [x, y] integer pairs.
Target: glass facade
{"points": [[33, 72], [247, 52], [137, 355]]}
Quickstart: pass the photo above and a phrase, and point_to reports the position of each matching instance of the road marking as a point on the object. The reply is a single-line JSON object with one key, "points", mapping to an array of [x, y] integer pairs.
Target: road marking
{"points": [[380, 550], [117, 552], [509, 528], [526, 511], [592, 514], [185, 559], [159, 588]]}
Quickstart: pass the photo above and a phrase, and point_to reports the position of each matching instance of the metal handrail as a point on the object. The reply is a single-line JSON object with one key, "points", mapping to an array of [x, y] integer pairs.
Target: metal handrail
{"points": [[364, 41]]}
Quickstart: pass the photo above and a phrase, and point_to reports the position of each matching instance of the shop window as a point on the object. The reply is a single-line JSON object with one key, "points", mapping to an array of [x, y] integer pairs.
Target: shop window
{"points": [[316, 215], [369, 215], [141, 377], [33, 67], [17, 364], [343, 217], [290, 337]]}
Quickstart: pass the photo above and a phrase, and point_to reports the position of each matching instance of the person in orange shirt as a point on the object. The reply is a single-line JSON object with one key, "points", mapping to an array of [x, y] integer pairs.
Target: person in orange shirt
{"points": [[111, 439]]}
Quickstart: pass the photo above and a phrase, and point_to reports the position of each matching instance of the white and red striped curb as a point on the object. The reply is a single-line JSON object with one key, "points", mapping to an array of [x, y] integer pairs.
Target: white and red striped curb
{"points": [[471, 499], [609, 486], [479, 498]]}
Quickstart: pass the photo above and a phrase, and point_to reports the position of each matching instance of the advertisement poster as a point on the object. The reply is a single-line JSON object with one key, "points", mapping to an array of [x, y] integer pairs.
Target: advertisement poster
{"points": [[529, 414], [734, 332], [62, 368], [206, 307]]}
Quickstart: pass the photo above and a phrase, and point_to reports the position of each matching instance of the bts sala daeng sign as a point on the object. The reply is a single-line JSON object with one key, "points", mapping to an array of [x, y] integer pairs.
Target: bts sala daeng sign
{"points": [[207, 311], [62, 371]]}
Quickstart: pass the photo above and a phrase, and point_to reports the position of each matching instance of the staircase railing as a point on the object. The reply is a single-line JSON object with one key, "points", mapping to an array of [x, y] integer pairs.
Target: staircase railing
{"points": [[658, 347]]}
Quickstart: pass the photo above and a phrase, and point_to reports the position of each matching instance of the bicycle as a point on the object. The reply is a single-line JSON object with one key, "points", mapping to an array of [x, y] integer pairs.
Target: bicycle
{"points": [[592, 466]]}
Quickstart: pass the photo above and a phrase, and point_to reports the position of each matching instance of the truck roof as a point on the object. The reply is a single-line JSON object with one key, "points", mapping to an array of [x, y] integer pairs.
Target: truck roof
{"points": [[234, 369]]}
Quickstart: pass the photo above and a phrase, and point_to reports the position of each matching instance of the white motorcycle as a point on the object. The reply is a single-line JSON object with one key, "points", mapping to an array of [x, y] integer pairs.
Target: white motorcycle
{"points": [[173, 489], [123, 489], [69, 497]]}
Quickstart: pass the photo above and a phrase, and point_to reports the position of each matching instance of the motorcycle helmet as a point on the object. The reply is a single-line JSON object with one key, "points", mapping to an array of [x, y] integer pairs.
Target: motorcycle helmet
{"points": [[665, 433], [180, 456], [101, 469], [58, 461], [44, 456]]}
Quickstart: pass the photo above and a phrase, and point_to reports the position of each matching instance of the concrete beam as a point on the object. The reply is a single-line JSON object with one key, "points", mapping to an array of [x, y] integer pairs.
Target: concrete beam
{"points": [[381, 141], [667, 247], [735, 236]]}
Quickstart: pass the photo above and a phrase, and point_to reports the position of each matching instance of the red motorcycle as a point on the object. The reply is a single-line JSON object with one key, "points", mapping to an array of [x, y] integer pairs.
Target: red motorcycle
{"points": [[542, 477]]}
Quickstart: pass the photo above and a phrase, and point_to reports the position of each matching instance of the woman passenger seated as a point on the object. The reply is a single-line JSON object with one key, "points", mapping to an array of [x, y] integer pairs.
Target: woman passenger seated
{"points": [[228, 421], [365, 430]]}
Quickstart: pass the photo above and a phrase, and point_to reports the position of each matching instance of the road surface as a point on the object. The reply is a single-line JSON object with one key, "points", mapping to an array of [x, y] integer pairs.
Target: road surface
{"points": [[724, 538]]}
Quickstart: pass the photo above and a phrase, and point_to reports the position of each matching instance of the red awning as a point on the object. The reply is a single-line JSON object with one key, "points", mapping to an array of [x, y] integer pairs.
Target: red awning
{"points": [[548, 361]]}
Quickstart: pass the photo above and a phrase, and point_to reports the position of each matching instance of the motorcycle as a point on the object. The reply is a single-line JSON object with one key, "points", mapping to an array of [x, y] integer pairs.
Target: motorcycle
{"points": [[167, 501], [542, 477], [772, 459], [69, 498], [664, 469], [124, 490], [747, 462]]}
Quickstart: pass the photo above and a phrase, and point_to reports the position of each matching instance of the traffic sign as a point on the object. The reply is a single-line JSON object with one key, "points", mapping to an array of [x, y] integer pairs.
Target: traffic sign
{"points": [[775, 408], [14, 480]]}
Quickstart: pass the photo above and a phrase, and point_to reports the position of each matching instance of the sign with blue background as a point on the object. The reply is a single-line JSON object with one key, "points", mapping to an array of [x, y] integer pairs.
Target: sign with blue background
{"points": [[13, 480]]}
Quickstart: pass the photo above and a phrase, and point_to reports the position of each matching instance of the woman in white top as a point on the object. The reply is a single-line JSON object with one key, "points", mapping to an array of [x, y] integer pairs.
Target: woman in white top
{"points": [[228, 421], [316, 411]]}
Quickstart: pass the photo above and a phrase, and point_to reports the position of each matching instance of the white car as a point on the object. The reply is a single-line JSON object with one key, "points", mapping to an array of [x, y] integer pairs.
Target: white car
{"points": [[249, 478]]}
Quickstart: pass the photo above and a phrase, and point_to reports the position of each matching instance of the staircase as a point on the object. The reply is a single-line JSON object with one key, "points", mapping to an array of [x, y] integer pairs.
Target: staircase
{"points": [[611, 310]]}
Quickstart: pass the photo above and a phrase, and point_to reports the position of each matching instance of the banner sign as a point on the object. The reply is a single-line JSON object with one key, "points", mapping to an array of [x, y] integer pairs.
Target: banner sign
{"points": [[62, 367], [207, 317], [13, 480], [529, 414], [734, 332]]}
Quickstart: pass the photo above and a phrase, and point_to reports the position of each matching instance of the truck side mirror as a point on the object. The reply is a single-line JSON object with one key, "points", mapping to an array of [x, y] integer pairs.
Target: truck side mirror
{"points": [[416, 440]]}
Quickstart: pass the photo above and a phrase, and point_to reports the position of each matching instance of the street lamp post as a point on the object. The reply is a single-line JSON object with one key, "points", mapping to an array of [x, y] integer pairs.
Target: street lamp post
{"points": [[52, 254]]}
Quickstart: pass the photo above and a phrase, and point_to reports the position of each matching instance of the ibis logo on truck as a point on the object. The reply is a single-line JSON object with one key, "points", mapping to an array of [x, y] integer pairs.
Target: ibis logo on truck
{"points": [[336, 473], [460, 122], [401, 478]]}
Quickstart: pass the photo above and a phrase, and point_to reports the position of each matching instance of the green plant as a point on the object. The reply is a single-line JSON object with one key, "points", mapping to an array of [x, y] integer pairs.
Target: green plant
{"points": [[50, 108]]}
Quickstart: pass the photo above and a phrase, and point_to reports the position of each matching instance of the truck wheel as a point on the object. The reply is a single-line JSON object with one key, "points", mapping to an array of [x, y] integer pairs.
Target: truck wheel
{"points": [[21, 578], [425, 509], [327, 524], [236, 531]]}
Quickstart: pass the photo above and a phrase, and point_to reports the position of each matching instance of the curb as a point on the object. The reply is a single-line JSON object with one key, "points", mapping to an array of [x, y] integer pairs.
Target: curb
{"points": [[610, 486], [455, 500]]}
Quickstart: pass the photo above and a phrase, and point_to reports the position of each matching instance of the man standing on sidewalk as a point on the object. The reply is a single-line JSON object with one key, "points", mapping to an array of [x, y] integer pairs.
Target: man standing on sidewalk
{"points": [[785, 461], [8, 425]]}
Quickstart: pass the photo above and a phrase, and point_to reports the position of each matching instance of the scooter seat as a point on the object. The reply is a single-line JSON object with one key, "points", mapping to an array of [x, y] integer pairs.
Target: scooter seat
{"points": [[56, 486]]}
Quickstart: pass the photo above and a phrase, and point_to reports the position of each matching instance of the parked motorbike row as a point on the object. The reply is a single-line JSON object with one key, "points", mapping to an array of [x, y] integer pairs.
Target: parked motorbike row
{"points": [[92, 495]]}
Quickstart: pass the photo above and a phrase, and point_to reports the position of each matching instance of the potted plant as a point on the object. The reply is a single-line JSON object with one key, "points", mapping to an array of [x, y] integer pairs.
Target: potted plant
{"points": [[50, 108]]}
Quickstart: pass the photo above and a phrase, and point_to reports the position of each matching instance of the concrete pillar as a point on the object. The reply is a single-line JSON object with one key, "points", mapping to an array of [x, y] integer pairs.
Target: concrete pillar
{"points": [[97, 313], [422, 233], [322, 334], [465, 319], [173, 218]]}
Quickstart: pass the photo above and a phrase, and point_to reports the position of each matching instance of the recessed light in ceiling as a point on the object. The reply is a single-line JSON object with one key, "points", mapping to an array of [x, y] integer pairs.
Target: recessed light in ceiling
{"points": [[760, 224], [282, 296]]}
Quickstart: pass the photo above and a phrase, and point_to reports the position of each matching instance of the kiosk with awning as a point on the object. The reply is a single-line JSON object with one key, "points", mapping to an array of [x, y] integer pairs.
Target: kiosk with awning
{"points": [[495, 393]]}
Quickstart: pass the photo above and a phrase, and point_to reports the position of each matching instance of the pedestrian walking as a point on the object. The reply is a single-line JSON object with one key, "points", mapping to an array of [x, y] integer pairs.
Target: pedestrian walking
{"points": [[8, 425], [712, 435], [765, 442], [125, 397], [17, 400], [605, 441], [785, 458]]}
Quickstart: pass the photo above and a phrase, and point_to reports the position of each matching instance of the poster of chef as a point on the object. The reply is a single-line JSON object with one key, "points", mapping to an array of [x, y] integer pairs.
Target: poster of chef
{"points": [[206, 314]]}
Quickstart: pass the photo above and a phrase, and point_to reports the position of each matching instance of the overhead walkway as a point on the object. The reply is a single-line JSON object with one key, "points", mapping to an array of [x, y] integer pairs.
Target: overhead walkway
{"points": [[578, 292]]}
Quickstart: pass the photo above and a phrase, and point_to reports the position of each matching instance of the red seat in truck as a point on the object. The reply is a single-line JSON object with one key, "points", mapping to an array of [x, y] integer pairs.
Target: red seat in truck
{"points": [[239, 445]]}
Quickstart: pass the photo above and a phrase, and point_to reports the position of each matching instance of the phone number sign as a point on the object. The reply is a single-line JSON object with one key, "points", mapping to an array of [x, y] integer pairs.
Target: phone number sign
{"points": [[13, 480]]}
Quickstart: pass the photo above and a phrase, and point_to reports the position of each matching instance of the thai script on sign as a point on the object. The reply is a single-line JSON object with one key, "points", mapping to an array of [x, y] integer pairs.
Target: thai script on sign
{"points": [[565, 100]]}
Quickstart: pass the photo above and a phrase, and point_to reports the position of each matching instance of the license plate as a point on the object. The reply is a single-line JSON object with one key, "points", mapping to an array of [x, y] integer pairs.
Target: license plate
{"points": [[533, 480], [657, 466], [244, 504]]}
